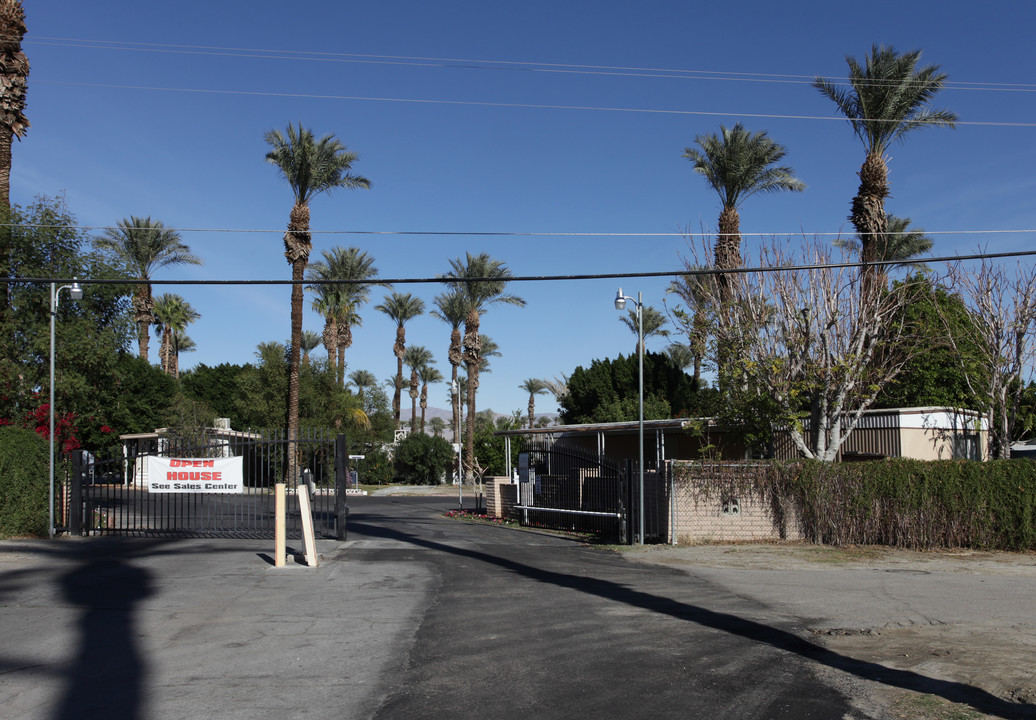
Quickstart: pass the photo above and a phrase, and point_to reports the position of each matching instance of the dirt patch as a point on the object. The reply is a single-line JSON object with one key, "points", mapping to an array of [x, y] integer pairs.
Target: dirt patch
{"points": [[966, 670]]}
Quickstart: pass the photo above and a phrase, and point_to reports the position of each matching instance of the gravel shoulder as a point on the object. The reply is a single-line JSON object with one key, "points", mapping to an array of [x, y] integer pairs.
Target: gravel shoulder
{"points": [[964, 617]]}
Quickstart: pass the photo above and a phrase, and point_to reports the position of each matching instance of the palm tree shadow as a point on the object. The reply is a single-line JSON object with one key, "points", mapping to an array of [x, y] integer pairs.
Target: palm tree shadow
{"points": [[107, 676], [782, 640]]}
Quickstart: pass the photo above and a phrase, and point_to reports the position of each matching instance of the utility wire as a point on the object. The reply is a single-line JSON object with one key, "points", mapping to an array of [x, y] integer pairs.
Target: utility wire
{"points": [[498, 233], [469, 63], [483, 103], [531, 278]]}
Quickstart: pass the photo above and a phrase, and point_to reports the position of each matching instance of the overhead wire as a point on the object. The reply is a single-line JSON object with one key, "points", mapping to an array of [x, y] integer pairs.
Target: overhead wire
{"points": [[538, 278]]}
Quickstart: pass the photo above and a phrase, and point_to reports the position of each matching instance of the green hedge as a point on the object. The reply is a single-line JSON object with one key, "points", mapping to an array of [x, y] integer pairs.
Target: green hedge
{"points": [[24, 482], [917, 504]]}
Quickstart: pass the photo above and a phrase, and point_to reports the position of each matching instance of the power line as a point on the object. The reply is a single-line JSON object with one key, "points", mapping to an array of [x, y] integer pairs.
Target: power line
{"points": [[482, 64], [484, 103], [499, 233], [533, 278]]}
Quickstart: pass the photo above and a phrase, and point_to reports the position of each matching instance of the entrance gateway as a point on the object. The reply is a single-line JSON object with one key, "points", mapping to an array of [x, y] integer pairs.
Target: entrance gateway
{"points": [[119, 496]]}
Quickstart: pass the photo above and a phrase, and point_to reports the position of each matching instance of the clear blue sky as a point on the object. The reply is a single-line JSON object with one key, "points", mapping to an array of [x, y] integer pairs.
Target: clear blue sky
{"points": [[530, 117]]}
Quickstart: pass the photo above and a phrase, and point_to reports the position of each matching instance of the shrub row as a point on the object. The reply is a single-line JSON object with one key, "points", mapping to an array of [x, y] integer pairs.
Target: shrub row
{"points": [[917, 504], [24, 484]]}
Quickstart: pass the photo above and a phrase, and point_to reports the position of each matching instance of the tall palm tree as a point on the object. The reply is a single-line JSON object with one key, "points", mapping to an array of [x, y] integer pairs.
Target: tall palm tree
{"points": [[452, 307], [738, 164], [310, 342], [437, 425], [654, 323], [172, 316], [401, 309], [354, 273], [483, 281], [887, 99], [14, 79], [310, 167], [695, 290], [362, 380], [145, 245], [490, 348], [427, 375], [534, 387], [902, 242], [180, 343], [416, 357]]}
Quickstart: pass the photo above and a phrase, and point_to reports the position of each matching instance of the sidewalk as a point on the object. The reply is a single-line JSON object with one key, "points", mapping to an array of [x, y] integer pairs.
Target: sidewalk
{"points": [[132, 628]]}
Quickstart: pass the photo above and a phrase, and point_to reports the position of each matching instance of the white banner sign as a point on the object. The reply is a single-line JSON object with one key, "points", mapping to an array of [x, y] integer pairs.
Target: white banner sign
{"points": [[195, 475]]}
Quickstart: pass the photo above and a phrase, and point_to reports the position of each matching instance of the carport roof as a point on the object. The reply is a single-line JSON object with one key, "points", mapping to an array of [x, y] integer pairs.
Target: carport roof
{"points": [[628, 426]]}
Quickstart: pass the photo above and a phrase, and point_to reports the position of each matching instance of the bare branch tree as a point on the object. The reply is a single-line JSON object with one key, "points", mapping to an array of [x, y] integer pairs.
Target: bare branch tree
{"points": [[807, 345], [1004, 306]]}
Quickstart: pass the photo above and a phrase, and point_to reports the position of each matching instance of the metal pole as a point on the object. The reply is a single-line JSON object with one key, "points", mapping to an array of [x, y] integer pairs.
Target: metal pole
{"points": [[640, 349], [50, 514]]}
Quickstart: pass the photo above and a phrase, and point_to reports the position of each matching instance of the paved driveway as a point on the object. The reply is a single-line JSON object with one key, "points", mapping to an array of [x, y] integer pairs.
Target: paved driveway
{"points": [[418, 617]]}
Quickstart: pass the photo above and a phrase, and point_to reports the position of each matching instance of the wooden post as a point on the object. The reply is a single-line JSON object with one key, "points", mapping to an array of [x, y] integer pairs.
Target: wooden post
{"points": [[308, 535], [280, 516]]}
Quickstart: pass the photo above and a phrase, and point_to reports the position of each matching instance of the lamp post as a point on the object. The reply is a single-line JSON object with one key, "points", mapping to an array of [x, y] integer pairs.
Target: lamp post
{"points": [[620, 304], [75, 292], [455, 394]]}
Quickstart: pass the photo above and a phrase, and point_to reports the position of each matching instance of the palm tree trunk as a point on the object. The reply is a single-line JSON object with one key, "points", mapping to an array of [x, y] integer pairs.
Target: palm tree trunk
{"points": [[399, 349], [6, 138], [532, 410], [869, 218], [297, 246], [414, 385], [143, 305], [424, 405], [472, 356], [456, 357], [728, 249]]}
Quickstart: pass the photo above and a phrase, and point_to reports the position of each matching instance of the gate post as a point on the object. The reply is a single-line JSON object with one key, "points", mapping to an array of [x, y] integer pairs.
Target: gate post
{"points": [[341, 480], [75, 495]]}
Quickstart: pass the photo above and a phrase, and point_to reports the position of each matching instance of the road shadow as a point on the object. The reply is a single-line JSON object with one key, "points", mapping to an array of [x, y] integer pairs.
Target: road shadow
{"points": [[107, 676], [980, 700]]}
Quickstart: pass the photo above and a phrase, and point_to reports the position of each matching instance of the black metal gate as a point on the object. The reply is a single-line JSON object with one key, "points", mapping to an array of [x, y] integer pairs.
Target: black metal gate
{"points": [[564, 488], [110, 496]]}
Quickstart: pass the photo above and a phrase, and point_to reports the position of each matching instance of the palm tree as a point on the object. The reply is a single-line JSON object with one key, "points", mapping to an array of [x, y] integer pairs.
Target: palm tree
{"points": [[401, 308], [354, 273], [482, 280], [558, 387], [452, 308], [310, 167], [695, 290], [489, 349], [534, 387], [310, 342], [902, 242], [738, 164], [145, 245], [427, 375], [362, 379], [653, 321], [14, 77], [416, 357], [888, 97], [172, 316], [180, 343], [437, 425]]}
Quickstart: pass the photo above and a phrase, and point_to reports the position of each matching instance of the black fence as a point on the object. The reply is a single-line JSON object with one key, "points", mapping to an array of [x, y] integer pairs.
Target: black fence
{"points": [[565, 488], [110, 495]]}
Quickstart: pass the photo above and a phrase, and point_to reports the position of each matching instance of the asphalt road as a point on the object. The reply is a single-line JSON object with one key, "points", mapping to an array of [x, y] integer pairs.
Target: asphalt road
{"points": [[527, 624], [417, 616]]}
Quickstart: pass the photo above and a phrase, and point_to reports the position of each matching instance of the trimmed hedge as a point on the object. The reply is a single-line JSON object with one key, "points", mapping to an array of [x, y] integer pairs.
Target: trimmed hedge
{"points": [[24, 482], [917, 504]]}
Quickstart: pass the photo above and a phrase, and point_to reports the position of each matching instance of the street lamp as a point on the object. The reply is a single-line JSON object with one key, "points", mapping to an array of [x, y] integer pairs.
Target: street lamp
{"points": [[455, 394], [75, 292], [620, 304]]}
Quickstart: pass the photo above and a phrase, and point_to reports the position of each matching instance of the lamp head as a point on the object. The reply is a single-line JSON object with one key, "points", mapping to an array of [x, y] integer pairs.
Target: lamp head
{"points": [[76, 291], [620, 300]]}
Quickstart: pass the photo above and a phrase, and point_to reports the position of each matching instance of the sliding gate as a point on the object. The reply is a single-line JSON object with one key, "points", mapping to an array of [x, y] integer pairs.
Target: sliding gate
{"points": [[563, 488], [111, 496]]}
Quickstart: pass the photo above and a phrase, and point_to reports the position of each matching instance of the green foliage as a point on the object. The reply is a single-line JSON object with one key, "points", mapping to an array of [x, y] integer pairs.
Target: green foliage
{"points": [[375, 468], [45, 242], [24, 483], [217, 387], [935, 376], [608, 391], [422, 459]]}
